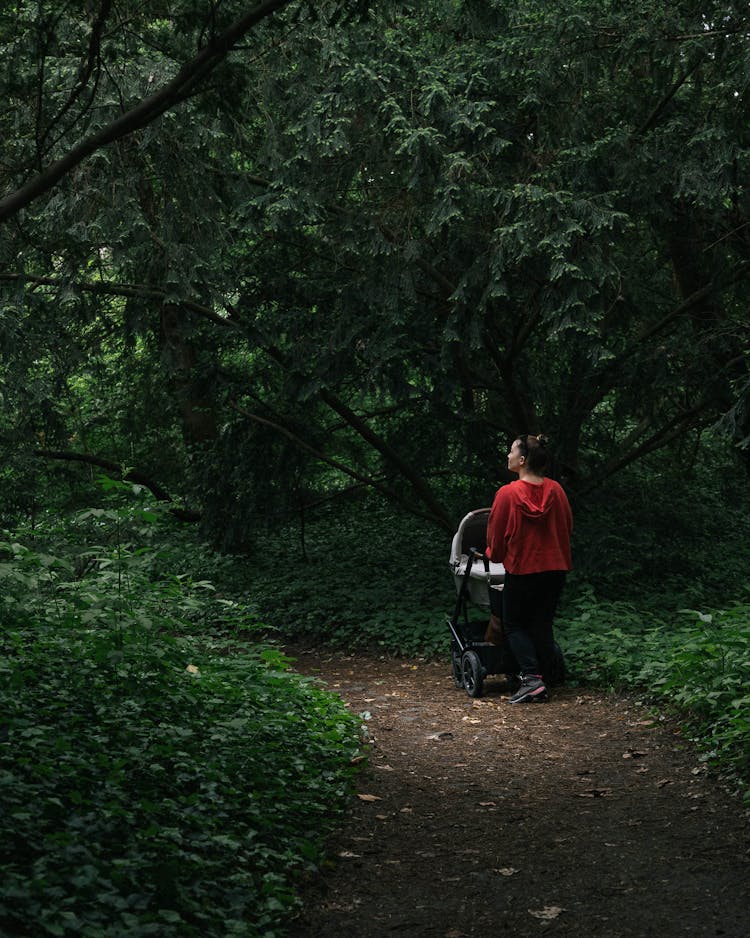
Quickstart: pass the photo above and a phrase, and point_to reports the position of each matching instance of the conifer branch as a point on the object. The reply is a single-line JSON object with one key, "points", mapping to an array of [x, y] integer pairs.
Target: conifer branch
{"points": [[105, 288], [359, 477], [145, 112]]}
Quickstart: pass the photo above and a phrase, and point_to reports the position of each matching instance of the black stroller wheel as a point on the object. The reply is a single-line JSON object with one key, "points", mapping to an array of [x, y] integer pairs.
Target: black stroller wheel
{"points": [[458, 676], [472, 674]]}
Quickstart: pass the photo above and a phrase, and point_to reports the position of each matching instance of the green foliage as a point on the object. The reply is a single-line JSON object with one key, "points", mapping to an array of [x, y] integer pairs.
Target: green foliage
{"points": [[709, 680], [368, 578], [694, 662], [370, 253], [661, 535], [151, 781]]}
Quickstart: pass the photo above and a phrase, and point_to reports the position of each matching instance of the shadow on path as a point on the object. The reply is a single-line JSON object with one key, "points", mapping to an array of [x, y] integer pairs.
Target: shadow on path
{"points": [[582, 816]]}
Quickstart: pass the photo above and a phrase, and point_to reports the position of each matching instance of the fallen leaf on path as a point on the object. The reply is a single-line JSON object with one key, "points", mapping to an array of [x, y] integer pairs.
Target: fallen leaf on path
{"points": [[455, 933], [487, 804], [548, 913], [369, 798], [507, 871], [595, 793], [664, 781], [384, 768], [349, 855], [633, 754], [382, 817], [355, 760], [407, 810]]}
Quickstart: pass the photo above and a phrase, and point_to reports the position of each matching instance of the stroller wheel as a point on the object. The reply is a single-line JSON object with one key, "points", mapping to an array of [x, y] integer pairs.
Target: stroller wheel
{"points": [[458, 676], [472, 674]]}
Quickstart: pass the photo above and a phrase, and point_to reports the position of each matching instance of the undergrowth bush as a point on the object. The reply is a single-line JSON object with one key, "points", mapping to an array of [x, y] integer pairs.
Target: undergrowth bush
{"points": [[162, 772], [661, 531], [695, 662], [368, 579], [152, 781]]}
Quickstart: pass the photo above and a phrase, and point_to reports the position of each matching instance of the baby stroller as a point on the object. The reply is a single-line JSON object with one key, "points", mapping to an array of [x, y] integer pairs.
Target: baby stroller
{"points": [[472, 657]]}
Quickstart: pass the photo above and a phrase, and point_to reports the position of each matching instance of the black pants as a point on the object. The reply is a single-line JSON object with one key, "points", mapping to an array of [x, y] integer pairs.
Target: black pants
{"points": [[529, 604]]}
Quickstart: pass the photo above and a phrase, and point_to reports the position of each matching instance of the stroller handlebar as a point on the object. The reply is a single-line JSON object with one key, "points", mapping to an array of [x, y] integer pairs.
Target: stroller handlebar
{"points": [[476, 554], [479, 554]]}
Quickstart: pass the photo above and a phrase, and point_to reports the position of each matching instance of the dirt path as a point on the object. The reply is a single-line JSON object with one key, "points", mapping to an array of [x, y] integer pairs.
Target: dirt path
{"points": [[583, 816]]}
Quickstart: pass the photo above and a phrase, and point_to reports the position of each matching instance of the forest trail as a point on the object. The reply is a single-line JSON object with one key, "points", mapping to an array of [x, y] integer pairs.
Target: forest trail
{"points": [[582, 816]]}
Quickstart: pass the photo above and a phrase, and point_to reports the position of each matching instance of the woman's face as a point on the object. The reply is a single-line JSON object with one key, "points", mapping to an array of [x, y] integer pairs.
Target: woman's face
{"points": [[515, 459]]}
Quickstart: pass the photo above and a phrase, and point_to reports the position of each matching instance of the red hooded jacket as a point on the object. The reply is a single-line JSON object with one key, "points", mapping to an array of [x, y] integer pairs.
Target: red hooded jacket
{"points": [[529, 527]]}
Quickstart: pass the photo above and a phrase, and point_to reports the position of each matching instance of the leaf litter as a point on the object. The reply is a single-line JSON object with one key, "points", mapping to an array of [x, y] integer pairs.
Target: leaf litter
{"points": [[621, 853]]}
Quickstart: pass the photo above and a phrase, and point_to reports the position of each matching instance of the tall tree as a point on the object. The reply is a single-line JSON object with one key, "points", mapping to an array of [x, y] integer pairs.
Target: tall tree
{"points": [[376, 250]]}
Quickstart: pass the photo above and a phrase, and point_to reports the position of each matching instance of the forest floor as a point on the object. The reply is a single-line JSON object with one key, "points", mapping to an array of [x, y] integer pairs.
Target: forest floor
{"points": [[586, 815]]}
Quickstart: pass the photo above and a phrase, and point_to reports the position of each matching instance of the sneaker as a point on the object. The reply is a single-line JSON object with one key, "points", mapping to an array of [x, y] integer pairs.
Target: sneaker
{"points": [[532, 690]]}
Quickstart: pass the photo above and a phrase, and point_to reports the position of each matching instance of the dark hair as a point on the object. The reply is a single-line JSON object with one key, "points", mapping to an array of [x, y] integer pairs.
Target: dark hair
{"points": [[534, 448]]}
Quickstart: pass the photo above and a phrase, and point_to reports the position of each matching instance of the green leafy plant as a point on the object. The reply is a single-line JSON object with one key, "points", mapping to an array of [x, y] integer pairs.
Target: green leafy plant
{"points": [[153, 779], [694, 662]]}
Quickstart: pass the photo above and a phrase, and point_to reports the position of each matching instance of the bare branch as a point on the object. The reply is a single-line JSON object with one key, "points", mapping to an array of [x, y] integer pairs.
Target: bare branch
{"points": [[377, 442], [660, 438], [656, 113], [86, 70]]}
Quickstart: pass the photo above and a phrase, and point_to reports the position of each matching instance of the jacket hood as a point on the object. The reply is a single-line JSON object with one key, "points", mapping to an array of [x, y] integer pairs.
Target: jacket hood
{"points": [[534, 501]]}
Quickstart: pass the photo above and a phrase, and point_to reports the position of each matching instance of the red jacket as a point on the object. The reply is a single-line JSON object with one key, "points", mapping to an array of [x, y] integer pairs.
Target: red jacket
{"points": [[529, 527]]}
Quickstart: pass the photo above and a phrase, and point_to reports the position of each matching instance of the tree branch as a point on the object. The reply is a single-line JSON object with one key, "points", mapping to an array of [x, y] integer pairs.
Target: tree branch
{"points": [[660, 438], [368, 481], [86, 70], [614, 364], [121, 289], [387, 451], [656, 113], [146, 111], [113, 468]]}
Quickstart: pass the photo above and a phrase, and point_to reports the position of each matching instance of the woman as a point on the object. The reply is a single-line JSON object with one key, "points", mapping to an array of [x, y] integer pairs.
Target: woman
{"points": [[529, 532]]}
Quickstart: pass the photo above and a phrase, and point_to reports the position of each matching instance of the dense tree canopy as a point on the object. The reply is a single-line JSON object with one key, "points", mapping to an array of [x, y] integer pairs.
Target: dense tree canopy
{"points": [[369, 249]]}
